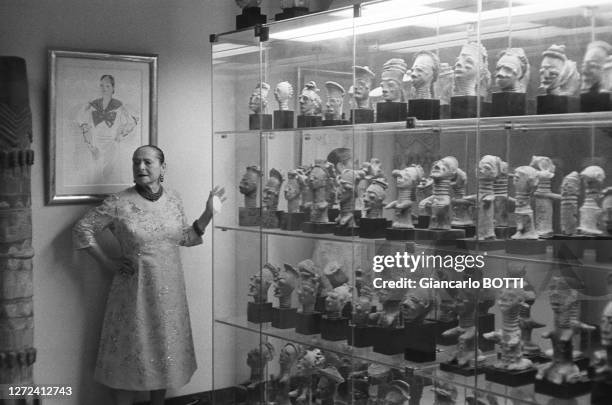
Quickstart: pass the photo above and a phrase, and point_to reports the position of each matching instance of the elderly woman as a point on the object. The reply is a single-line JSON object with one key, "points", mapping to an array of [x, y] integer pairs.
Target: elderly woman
{"points": [[146, 342]]}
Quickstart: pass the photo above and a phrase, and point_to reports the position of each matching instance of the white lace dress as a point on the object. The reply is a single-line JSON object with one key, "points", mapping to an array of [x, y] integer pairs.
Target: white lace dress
{"points": [[146, 341]]}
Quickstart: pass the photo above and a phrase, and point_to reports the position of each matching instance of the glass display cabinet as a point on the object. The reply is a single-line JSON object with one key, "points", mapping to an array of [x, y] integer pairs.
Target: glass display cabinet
{"points": [[418, 210]]}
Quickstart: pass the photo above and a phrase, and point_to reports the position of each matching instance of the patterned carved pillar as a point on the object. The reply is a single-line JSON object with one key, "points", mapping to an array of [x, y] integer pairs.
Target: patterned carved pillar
{"points": [[17, 354]]}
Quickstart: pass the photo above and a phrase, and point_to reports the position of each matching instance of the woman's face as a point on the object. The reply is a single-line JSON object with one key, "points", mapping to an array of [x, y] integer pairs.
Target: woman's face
{"points": [[146, 167], [106, 87]]}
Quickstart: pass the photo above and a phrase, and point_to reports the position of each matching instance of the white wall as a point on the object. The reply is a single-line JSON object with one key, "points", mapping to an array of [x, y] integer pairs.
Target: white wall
{"points": [[69, 288]]}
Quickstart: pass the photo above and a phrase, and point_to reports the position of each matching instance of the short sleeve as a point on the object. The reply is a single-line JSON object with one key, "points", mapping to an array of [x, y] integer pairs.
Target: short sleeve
{"points": [[190, 237], [94, 221]]}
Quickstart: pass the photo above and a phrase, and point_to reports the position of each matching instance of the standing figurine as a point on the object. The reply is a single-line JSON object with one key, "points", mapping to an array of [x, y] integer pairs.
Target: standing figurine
{"points": [[393, 108], [258, 104], [461, 208], [307, 366], [511, 77], [283, 117], [439, 204], [525, 183], [570, 192], [424, 73], [503, 203], [591, 98], [310, 106], [362, 113], [334, 105], [270, 216], [590, 212], [544, 197], [488, 171], [406, 181], [249, 215]]}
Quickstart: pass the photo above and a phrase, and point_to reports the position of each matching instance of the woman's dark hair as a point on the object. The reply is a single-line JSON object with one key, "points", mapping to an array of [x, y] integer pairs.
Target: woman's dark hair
{"points": [[110, 78], [158, 152]]}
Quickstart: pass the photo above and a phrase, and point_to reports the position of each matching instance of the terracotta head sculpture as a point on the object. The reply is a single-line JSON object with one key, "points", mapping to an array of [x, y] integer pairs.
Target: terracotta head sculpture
{"points": [[363, 83], [310, 101], [258, 102], [335, 101], [392, 78], [471, 71], [592, 65], [283, 93], [425, 69], [271, 190], [558, 75], [512, 70]]}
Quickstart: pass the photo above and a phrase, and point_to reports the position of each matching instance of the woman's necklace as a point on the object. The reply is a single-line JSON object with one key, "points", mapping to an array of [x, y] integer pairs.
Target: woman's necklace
{"points": [[145, 193]]}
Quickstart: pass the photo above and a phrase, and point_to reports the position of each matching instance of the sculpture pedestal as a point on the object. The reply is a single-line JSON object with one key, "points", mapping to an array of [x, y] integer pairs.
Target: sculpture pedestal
{"points": [[439, 236], [509, 103], [470, 230], [271, 219], [504, 232], [318, 227], [399, 233], [526, 246], [551, 104], [445, 111], [591, 102], [567, 247], [391, 111], [452, 367], [603, 251], [422, 222], [334, 329], [486, 324], [481, 244], [390, 341], [284, 318], [510, 378], [292, 221], [249, 216], [291, 12], [250, 16], [421, 342], [346, 230], [360, 336], [424, 109], [307, 121], [308, 324], [283, 119], [259, 313], [332, 214], [565, 391], [372, 228], [466, 107], [330, 123], [601, 392], [362, 116], [443, 326], [260, 121]]}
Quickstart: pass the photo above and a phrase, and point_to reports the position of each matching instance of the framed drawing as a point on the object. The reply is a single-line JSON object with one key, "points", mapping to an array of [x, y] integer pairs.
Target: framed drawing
{"points": [[102, 106]]}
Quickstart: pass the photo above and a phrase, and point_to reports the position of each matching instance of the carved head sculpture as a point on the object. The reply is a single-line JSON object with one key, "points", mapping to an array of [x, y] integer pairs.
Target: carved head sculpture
{"points": [[337, 298], [319, 175], [361, 310], [248, 3], [606, 326], [544, 165], [488, 167], [260, 283], [286, 281], [330, 378], [258, 357], [310, 101], [293, 188], [509, 298], [363, 83], [258, 102], [592, 65], [558, 74], [283, 93], [408, 177], [346, 184], [570, 186], [309, 362], [561, 295], [417, 303], [425, 69], [459, 182], [334, 272], [309, 283], [512, 70], [250, 180], [525, 179], [592, 177], [392, 77], [444, 169], [271, 190], [606, 76], [375, 194], [398, 393], [606, 206], [288, 355], [335, 100], [471, 68]]}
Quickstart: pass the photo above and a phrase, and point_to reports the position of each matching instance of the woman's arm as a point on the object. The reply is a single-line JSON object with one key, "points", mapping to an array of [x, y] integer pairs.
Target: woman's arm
{"points": [[201, 223], [112, 266]]}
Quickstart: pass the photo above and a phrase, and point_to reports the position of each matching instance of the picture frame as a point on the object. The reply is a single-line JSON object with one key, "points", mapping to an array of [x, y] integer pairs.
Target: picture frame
{"points": [[102, 106]]}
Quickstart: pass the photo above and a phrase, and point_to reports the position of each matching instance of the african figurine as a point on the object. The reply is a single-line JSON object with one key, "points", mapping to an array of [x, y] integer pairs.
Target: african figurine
{"points": [[346, 192], [258, 102], [283, 93], [439, 204], [335, 101], [590, 212], [260, 283], [293, 191], [271, 191], [416, 305], [390, 315], [392, 77], [462, 208], [544, 197], [285, 283], [406, 181], [308, 286], [363, 83], [525, 183], [512, 71], [488, 171], [503, 203], [471, 72], [592, 64], [336, 300], [310, 101], [526, 323], [287, 359], [570, 192], [558, 75], [318, 182], [257, 359], [249, 185], [310, 361], [424, 74], [374, 196]]}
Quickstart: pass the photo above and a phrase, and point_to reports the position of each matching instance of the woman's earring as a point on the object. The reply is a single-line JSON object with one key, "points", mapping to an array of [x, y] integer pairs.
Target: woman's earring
{"points": [[161, 178]]}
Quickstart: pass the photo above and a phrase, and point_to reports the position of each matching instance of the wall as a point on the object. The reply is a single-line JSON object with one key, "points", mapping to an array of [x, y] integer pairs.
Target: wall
{"points": [[70, 289]]}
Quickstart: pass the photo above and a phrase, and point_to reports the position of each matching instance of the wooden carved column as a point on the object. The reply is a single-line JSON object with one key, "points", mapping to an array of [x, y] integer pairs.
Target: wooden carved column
{"points": [[17, 354]]}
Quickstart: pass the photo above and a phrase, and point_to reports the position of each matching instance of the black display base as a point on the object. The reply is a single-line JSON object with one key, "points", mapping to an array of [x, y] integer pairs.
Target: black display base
{"points": [[514, 378], [307, 121], [421, 342], [399, 233], [318, 227], [567, 247], [320, 304], [292, 221], [332, 214], [283, 119], [486, 244], [601, 393], [439, 236], [260, 121], [537, 358], [486, 324], [334, 329], [504, 232], [360, 336], [271, 219], [391, 111], [551, 104], [422, 222], [591, 102], [249, 216], [308, 324], [470, 230], [565, 391], [372, 228], [283, 318], [362, 116], [259, 313], [424, 109], [346, 230], [467, 371], [445, 111], [331, 123], [443, 326], [291, 12], [390, 341], [603, 251], [509, 103], [526, 246], [466, 107], [250, 16]]}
